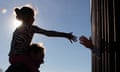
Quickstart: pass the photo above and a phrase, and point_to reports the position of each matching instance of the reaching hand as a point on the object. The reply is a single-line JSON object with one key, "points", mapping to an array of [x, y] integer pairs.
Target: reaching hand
{"points": [[86, 42], [71, 37]]}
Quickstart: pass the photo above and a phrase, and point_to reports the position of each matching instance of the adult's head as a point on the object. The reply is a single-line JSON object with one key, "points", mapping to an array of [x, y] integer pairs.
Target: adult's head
{"points": [[25, 14], [37, 53]]}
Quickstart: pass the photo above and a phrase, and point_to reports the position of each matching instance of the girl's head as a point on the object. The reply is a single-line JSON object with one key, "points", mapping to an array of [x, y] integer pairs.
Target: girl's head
{"points": [[25, 14]]}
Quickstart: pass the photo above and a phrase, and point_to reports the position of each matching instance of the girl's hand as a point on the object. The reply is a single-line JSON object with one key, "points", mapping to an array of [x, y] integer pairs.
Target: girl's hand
{"points": [[71, 37]]}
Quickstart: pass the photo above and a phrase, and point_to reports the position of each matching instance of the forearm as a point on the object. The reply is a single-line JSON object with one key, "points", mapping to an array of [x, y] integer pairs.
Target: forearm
{"points": [[51, 33], [56, 34]]}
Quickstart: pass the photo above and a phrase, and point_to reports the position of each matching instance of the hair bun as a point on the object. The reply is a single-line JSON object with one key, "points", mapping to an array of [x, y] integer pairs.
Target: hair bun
{"points": [[17, 11]]}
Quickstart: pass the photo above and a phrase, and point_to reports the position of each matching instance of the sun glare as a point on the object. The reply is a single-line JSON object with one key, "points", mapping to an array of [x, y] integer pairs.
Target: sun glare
{"points": [[3, 11], [17, 23], [41, 44]]}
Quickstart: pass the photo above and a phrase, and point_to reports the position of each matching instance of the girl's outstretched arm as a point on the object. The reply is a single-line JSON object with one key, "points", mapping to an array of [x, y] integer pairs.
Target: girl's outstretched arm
{"points": [[51, 33]]}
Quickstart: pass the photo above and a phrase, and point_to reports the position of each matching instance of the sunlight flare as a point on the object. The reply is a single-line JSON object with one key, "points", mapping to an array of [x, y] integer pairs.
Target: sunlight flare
{"points": [[42, 45], [16, 23], [3, 11]]}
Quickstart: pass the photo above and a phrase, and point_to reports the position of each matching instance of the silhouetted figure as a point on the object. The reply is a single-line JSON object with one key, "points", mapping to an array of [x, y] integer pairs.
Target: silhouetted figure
{"points": [[23, 35], [86, 42], [17, 67], [36, 53]]}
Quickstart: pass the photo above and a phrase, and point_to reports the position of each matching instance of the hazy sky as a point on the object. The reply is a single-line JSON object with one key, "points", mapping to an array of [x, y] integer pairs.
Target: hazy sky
{"points": [[60, 15]]}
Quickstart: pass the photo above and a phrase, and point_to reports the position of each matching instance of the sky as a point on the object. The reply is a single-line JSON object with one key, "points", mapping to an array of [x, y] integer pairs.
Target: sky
{"points": [[59, 15]]}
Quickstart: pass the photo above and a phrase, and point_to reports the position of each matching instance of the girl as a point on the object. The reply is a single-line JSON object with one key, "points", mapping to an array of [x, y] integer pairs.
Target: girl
{"points": [[23, 35]]}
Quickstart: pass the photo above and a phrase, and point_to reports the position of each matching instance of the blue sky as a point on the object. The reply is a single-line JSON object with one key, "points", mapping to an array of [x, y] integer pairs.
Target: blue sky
{"points": [[60, 15]]}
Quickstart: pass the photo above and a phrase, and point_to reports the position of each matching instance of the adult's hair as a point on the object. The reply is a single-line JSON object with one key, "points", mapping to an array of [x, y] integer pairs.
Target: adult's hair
{"points": [[36, 48]]}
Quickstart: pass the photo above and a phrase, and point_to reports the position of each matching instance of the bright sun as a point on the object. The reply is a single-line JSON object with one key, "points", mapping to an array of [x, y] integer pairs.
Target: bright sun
{"points": [[17, 23]]}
